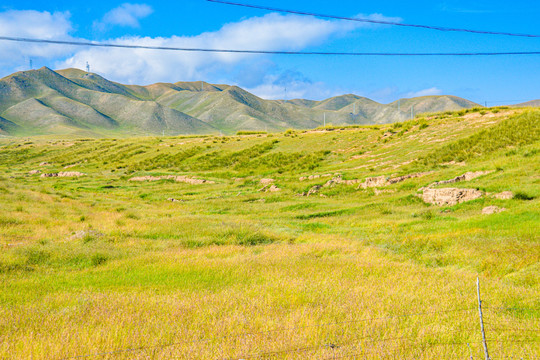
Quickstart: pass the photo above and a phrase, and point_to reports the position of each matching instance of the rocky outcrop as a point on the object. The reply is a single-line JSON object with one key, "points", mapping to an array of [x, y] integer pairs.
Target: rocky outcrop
{"points": [[468, 176], [380, 181], [449, 196], [72, 165], [63, 174], [488, 210], [181, 178], [270, 188], [34, 172], [313, 177], [505, 195], [314, 190], [266, 181], [377, 181]]}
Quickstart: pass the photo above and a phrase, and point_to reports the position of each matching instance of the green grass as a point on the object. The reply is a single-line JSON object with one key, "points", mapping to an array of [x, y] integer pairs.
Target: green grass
{"points": [[100, 263]]}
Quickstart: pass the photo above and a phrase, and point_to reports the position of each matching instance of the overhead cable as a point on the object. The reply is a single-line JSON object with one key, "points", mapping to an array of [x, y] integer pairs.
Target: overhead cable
{"points": [[268, 52], [382, 22]]}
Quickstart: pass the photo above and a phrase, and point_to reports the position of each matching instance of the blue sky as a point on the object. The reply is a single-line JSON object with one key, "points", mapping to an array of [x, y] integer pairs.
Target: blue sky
{"points": [[198, 23]]}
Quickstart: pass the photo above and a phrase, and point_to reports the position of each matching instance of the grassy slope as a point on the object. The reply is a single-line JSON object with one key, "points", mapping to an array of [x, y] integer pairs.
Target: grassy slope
{"points": [[228, 259]]}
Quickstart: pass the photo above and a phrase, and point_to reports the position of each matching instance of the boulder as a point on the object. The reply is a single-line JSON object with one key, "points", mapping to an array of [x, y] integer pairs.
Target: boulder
{"points": [[449, 196], [488, 210], [314, 190], [505, 195], [468, 176], [70, 174], [375, 182]]}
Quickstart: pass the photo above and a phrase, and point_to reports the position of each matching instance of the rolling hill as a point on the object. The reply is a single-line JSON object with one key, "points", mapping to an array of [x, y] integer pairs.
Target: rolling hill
{"points": [[72, 101], [532, 103]]}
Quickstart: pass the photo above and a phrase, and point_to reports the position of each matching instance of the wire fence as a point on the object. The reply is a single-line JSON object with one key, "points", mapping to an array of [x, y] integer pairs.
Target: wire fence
{"points": [[348, 346]]}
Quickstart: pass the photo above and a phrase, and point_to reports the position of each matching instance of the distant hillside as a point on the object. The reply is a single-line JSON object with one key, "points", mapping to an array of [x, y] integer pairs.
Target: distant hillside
{"points": [[431, 104], [72, 101], [532, 103]]}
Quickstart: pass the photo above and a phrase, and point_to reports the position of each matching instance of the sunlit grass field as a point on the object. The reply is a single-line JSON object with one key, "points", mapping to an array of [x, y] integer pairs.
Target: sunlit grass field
{"points": [[109, 268]]}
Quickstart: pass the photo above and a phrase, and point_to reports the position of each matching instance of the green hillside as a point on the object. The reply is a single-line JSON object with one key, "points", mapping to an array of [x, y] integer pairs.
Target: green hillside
{"points": [[336, 242], [72, 101]]}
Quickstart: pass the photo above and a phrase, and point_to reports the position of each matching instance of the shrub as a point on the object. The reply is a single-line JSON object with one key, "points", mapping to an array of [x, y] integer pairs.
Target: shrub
{"points": [[523, 196]]}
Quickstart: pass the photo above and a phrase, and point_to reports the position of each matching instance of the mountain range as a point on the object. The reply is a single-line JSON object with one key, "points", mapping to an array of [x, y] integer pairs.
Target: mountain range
{"points": [[72, 101]]}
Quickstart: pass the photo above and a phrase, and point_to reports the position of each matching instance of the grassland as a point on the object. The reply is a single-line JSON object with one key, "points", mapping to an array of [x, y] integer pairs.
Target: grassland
{"points": [[99, 264]]}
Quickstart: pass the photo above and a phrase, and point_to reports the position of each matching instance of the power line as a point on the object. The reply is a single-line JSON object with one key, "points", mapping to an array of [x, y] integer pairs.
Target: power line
{"points": [[269, 52], [439, 28]]}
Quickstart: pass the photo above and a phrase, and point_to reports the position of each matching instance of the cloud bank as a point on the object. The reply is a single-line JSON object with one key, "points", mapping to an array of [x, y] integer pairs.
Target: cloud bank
{"points": [[257, 73], [32, 24]]}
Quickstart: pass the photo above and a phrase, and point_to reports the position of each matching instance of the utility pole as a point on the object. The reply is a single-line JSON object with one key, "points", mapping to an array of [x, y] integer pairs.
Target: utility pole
{"points": [[30, 61], [482, 319], [87, 67]]}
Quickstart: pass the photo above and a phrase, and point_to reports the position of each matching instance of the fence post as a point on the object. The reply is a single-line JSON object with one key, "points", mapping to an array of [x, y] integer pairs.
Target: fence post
{"points": [[481, 319]]}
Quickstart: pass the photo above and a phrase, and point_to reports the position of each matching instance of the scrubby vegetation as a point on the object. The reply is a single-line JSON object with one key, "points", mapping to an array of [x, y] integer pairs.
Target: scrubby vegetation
{"points": [[246, 265]]}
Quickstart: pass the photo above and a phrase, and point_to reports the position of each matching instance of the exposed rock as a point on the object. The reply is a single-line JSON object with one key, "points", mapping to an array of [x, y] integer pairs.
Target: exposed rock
{"points": [[314, 190], [70, 174], [273, 188], [335, 180], [44, 163], [312, 177], [269, 188], [408, 176], [453, 162], [148, 178], [449, 196], [34, 172], [377, 181], [181, 178], [385, 191], [72, 165], [492, 210], [192, 181], [468, 176], [266, 181], [85, 234], [63, 174], [174, 200], [505, 195]]}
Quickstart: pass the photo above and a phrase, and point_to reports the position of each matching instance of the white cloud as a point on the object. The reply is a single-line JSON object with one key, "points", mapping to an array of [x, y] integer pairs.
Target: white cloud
{"points": [[32, 24], [269, 32], [424, 92], [258, 73], [288, 85], [125, 15]]}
